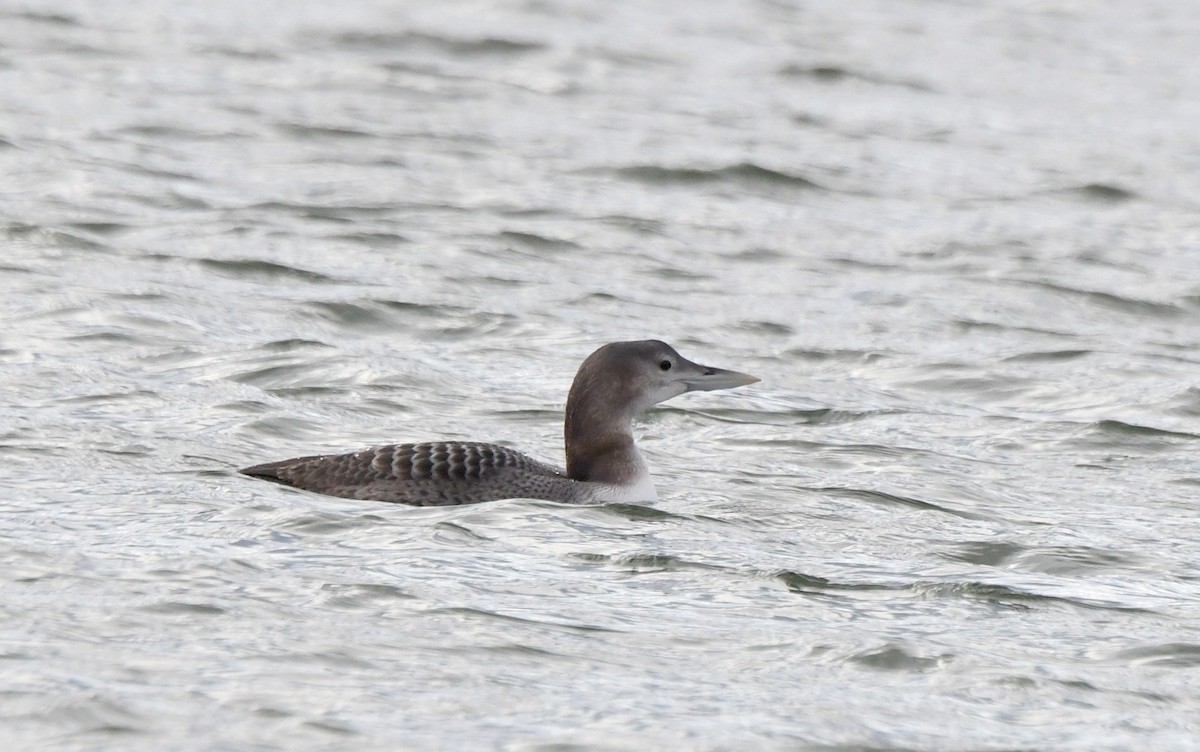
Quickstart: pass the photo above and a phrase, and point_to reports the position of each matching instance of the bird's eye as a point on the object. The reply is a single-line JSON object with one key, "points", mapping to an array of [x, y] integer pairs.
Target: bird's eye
{"points": [[665, 365]]}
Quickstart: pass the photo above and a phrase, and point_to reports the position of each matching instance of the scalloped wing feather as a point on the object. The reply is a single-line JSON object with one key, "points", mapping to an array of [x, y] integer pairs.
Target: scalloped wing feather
{"points": [[428, 474]]}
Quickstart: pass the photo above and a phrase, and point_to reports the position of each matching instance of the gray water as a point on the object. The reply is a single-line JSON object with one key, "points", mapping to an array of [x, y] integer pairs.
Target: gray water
{"points": [[957, 241]]}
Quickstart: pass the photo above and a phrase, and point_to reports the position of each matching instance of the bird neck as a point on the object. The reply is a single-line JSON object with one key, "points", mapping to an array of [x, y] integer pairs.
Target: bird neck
{"points": [[599, 441], [609, 457]]}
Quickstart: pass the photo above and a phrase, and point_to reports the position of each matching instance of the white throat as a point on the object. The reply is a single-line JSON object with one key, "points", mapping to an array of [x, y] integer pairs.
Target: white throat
{"points": [[638, 490]]}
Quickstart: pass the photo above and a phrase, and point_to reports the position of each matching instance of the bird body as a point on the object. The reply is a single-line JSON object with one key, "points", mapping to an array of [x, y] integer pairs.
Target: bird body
{"points": [[613, 385]]}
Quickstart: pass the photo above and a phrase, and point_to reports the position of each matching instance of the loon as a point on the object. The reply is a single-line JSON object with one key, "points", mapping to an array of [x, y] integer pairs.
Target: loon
{"points": [[614, 384]]}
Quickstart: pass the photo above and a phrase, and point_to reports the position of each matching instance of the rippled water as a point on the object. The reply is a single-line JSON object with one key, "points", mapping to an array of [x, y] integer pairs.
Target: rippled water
{"points": [[958, 242]]}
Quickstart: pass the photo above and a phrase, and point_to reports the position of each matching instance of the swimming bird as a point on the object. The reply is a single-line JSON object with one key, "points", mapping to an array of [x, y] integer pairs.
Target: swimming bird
{"points": [[614, 384]]}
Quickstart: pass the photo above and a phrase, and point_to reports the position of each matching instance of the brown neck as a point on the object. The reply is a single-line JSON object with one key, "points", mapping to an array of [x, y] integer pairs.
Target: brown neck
{"points": [[598, 428], [610, 459]]}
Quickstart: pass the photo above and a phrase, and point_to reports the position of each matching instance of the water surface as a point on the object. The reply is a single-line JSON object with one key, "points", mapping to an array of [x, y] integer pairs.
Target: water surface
{"points": [[957, 242]]}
